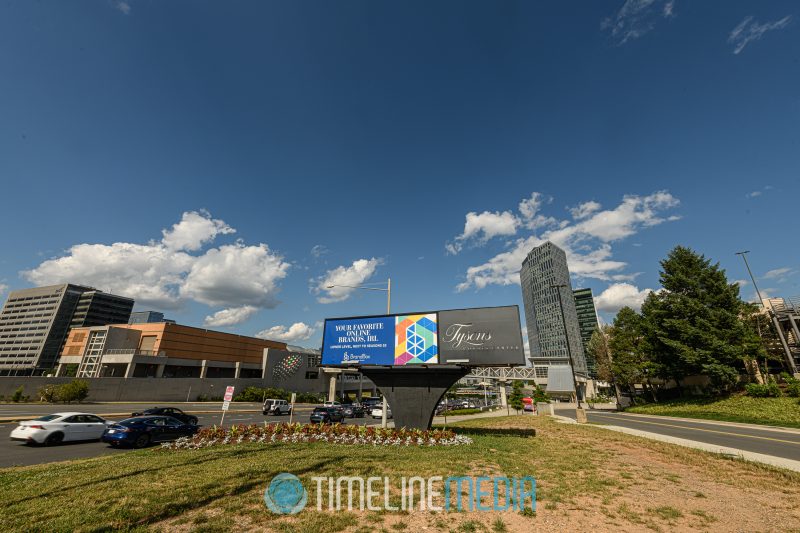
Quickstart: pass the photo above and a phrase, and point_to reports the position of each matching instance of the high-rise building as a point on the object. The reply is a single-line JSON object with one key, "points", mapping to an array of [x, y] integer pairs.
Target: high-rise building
{"points": [[587, 323], [34, 323], [148, 317], [544, 267]]}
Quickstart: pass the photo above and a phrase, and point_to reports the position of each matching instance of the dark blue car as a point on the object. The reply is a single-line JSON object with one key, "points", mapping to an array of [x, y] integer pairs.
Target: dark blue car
{"points": [[142, 431]]}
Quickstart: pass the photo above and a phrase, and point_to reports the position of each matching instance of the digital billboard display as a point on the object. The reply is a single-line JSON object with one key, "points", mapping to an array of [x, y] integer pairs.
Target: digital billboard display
{"points": [[489, 336], [381, 340]]}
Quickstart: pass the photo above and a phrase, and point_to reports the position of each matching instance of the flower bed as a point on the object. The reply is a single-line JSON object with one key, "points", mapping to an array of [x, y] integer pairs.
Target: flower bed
{"points": [[333, 434]]}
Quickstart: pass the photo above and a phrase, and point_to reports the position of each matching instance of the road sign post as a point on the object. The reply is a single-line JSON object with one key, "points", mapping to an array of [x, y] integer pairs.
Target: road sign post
{"points": [[227, 402], [291, 409]]}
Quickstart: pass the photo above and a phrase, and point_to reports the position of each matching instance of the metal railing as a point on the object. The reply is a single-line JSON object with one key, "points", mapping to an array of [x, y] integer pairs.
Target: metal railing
{"points": [[785, 305], [133, 352], [501, 372]]}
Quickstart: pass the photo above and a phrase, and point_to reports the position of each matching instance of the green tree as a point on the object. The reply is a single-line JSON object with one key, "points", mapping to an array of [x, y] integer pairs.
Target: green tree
{"points": [[694, 325], [628, 352], [598, 347], [515, 399], [539, 395]]}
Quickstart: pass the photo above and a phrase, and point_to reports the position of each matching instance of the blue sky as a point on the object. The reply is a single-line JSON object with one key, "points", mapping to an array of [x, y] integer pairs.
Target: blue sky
{"points": [[225, 163]]}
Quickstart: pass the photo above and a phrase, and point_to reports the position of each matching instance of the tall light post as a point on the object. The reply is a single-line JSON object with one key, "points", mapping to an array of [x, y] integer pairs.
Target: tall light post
{"points": [[388, 291], [752, 278], [558, 288]]}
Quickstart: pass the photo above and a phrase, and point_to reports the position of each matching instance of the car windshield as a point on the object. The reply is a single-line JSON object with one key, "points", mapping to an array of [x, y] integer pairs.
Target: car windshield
{"points": [[47, 418]]}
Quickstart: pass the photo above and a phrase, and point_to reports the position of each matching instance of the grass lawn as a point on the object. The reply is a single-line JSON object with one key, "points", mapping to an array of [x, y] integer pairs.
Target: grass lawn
{"points": [[770, 411], [587, 479]]}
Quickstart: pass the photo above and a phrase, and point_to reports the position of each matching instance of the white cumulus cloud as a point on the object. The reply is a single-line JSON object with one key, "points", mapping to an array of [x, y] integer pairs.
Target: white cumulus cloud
{"points": [[236, 274], [481, 227], [165, 273], [620, 295], [231, 316], [3, 288], [330, 288], [587, 241], [584, 210], [298, 331], [193, 231]]}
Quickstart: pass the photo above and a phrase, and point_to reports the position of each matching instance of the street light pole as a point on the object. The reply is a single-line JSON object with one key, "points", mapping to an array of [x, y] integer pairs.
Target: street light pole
{"points": [[752, 278], [558, 288], [387, 290]]}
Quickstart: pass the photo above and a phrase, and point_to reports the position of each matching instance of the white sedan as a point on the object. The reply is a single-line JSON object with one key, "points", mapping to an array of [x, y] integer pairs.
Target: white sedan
{"points": [[60, 427], [378, 412]]}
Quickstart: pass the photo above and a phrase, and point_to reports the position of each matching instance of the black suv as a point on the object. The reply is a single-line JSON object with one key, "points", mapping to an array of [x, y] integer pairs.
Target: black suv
{"points": [[174, 412]]}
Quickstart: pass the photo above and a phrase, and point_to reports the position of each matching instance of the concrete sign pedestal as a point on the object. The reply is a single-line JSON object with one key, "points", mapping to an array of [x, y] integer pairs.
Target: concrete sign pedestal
{"points": [[414, 391]]}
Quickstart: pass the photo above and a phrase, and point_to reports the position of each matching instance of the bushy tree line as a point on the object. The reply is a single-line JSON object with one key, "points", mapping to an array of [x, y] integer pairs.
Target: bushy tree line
{"points": [[697, 324], [74, 391], [258, 394]]}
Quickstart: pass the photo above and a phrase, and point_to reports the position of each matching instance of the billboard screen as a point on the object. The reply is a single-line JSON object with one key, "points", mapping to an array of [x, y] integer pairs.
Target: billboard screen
{"points": [[476, 337], [489, 336]]}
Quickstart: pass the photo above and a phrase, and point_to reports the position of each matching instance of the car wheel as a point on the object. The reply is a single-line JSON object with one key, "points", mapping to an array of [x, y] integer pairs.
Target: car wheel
{"points": [[54, 439], [141, 441], [193, 421], [114, 444]]}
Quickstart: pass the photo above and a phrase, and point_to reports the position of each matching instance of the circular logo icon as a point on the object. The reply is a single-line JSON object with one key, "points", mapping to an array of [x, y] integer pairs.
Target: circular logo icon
{"points": [[285, 494]]}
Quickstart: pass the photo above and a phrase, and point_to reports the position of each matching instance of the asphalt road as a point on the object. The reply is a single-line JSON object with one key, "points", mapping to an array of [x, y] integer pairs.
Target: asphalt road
{"points": [[13, 453], [748, 437]]}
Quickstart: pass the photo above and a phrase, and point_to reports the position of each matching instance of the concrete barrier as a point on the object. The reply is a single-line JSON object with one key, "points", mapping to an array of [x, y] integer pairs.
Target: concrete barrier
{"points": [[134, 389]]}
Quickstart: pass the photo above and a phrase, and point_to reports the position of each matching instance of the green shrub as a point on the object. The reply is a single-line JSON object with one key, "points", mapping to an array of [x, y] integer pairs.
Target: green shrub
{"points": [[74, 391], [793, 389], [17, 396], [202, 398], [723, 378], [767, 390], [258, 394], [49, 393]]}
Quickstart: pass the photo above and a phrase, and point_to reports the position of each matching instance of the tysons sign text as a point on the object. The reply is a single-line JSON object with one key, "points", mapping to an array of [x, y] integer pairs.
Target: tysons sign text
{"points": [[458, 334]]}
